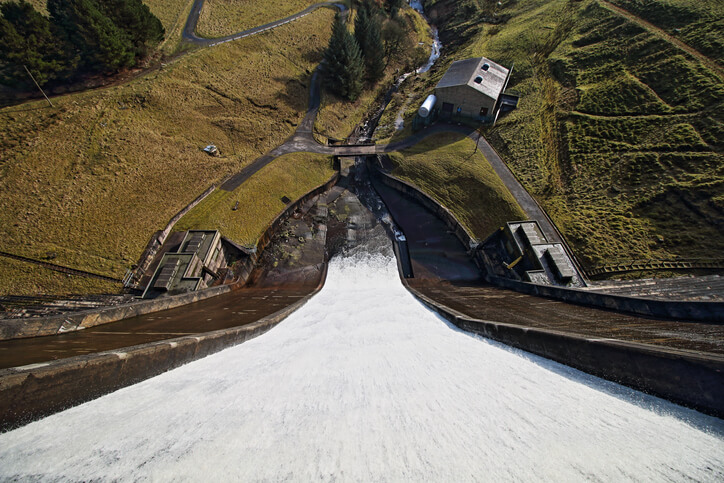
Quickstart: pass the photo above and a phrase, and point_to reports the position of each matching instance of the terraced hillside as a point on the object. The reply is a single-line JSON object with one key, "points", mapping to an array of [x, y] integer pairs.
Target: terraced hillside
{"points": [[619, 133]]}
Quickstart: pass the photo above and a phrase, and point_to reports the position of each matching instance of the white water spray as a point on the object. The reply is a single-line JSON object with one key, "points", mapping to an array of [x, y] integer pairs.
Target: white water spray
{"points": [[364, 384]]}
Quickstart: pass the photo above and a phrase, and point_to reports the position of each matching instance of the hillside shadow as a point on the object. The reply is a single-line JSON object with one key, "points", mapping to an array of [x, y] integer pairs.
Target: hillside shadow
{"points": [[428, 139], [295, 93]]}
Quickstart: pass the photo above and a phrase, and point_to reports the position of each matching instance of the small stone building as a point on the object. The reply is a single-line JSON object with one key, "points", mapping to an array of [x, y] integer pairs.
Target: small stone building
{"points": [[192, 266], [471, 88], [520, 251]]}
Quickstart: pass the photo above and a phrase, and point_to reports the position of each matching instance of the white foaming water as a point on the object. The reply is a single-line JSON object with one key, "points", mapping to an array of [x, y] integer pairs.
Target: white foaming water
{"points": [[364, 384]]}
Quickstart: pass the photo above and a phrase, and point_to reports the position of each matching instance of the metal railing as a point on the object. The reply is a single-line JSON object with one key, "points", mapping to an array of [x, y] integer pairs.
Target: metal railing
{"points": [[654, 264]]}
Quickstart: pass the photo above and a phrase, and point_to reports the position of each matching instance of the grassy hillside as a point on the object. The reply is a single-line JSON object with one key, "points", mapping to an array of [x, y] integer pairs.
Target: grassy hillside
{"points": [[225, 17], [260, 198], [448, 168], [697, 23], [618, 133], [92, 179]]}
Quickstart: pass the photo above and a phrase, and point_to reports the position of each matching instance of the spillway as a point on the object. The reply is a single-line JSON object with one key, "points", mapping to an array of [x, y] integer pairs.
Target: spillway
{"points": [[365, 384]]}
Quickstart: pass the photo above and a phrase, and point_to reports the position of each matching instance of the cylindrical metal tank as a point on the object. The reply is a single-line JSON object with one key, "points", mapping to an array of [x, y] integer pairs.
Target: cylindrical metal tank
{"points": [[427, 106]]}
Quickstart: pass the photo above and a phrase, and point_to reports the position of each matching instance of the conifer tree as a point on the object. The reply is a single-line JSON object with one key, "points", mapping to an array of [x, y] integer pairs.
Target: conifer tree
{"points": [[374, 51], [101, 44], [361, 25], [394, 6], [343, 66], [27, 38], [367, 33], [137, 21]]}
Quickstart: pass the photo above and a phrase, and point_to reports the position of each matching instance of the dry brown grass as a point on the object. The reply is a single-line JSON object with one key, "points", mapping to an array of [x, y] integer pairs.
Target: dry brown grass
{"points": [[39, 5], [172, 14], [259, 198], [219, 18], [92, 179]]}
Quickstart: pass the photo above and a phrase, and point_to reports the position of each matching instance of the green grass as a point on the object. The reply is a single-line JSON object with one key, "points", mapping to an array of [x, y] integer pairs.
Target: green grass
{"points": [[697, 23], [92, 179], [618, 133], [259, 198], [23, 278], [446, 167], [225, 17]]}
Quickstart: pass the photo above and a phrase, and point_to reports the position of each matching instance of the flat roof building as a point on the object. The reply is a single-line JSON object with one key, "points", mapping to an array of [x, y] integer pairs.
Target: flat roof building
{"points": [[193, 266]]}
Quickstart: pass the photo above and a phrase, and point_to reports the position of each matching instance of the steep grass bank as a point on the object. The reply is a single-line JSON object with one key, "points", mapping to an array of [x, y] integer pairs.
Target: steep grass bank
{"points": [[449, 168], [618, 133], [259, 198], [89, 181]]}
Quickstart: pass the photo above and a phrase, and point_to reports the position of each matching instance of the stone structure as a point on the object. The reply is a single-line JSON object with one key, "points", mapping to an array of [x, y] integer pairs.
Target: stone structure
{"points": [[520, 251], [471, 88], [194, 265]]}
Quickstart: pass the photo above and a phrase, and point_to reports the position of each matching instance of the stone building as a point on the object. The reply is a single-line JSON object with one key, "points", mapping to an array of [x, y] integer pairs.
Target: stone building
{"points": [[192, 266], [471, 88]]}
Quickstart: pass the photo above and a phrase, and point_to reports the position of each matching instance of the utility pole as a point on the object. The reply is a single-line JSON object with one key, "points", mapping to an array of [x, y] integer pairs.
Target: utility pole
{"points": [[36, 83]]}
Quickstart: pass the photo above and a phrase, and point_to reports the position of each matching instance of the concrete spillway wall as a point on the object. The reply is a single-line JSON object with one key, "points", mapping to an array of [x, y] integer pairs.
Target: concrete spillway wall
{"points": [[59, 324], [687, 310], [31, 392], [685, 377]]}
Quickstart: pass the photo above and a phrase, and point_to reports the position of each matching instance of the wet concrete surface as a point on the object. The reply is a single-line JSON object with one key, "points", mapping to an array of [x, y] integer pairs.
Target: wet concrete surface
{"points": [[444, 273], [435, 252], [494, 304], [232, 309], [289, 269]]}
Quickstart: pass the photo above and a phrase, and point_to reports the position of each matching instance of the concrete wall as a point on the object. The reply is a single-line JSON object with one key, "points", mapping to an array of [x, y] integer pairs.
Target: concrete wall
{"points": [[695, 311], [462, 233], [58, 324], [685, 377], [31, 392], [465, 97]]}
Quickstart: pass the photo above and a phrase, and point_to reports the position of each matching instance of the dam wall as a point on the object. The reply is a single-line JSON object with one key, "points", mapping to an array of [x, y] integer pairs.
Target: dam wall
{"points": [[34, 391]]}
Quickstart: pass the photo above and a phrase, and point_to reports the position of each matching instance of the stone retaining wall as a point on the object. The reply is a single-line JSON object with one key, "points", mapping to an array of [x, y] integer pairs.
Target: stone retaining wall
{"points": [[685, 377], [31, 392], [58, 324]]}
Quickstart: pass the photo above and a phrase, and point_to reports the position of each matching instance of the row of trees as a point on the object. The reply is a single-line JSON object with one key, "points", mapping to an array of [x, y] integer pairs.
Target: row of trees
{"points": [[378, 38], [79, 37]]}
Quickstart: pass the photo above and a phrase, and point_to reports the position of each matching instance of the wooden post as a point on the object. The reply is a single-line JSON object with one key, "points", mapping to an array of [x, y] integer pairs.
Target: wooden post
{"points": [[38, 85]]}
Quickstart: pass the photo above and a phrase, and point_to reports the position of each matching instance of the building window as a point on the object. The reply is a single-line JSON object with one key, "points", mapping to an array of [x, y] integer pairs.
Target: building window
{"points": [[478, 79]]}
